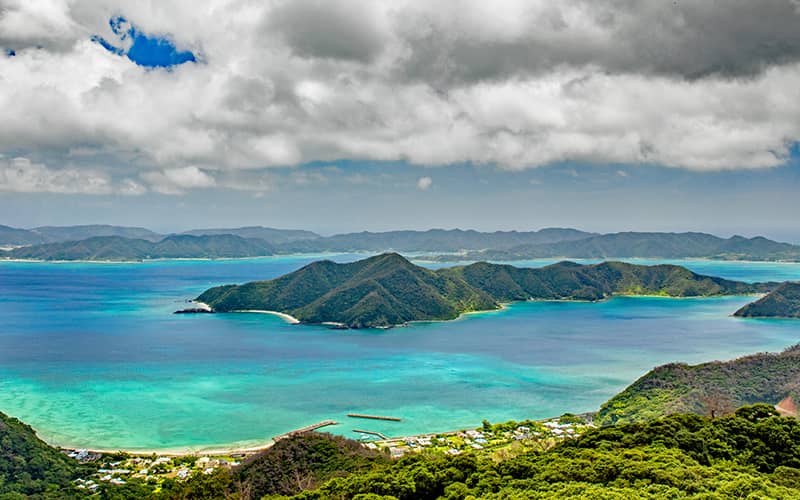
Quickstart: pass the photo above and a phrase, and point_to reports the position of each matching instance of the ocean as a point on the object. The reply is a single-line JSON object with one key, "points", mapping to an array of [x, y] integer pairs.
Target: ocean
{"points": [[91, 356]]}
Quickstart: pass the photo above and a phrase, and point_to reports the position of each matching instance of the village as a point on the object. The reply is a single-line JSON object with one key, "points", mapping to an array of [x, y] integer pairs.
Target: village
{"points": [[494, 440]]}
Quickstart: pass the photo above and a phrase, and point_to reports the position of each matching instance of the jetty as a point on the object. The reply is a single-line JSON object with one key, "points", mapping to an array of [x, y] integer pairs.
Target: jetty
{"points": [[373, 433], [305, 429], [373, 417]]}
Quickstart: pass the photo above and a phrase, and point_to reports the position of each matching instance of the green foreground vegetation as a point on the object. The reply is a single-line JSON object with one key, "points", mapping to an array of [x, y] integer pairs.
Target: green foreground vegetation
{"points": [[388, 290], [753, 453]]}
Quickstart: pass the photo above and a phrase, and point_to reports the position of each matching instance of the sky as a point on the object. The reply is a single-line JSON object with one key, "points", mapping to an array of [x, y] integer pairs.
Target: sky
{"points": [[336, 115]]}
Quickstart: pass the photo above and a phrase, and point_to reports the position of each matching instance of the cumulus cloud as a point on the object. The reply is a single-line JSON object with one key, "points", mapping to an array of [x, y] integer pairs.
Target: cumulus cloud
{"points": [[20, 175], [178, 180], [424, 183], [517, 84]]}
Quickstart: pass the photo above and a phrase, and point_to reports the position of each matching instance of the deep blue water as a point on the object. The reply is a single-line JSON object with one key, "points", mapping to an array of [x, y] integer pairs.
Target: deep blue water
{"points": [[91, 355]]}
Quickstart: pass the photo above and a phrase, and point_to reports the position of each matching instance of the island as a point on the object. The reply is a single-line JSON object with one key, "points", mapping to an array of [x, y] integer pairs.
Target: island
{"points": [[388, 290], [783, 302]]}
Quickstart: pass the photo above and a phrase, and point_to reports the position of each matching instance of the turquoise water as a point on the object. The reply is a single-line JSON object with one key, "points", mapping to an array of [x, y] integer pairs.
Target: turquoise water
{"points": [[91, 356]]}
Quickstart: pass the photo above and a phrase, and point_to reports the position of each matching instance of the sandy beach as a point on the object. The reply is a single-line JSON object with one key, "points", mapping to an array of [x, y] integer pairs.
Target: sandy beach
{"points": [[288, 317]]}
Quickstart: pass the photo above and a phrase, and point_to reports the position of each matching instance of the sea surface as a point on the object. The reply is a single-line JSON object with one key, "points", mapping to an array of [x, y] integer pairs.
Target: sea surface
{"points": [[91, 356]]}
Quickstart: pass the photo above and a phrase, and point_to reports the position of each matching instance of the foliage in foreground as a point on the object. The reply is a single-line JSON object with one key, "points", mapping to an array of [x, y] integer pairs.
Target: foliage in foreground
{"points": [[752, 454], [29, 467]]}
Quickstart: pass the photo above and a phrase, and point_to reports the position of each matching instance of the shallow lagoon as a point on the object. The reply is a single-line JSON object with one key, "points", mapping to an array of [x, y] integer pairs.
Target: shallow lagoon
{"points": [[91, 356]]}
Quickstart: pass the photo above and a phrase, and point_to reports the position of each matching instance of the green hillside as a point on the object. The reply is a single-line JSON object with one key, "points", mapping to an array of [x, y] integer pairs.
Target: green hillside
{"points": [[29, 468], [716, 387], [379, 291], [783, 302], [388, 290]]}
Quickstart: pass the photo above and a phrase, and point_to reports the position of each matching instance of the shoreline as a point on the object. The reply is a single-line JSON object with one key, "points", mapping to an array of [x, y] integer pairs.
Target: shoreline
{"points": [[287, 317]]}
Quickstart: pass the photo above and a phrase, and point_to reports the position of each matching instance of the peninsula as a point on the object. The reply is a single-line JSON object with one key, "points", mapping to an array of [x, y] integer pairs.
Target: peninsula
{"points": [[388, 290], [783, 302]]}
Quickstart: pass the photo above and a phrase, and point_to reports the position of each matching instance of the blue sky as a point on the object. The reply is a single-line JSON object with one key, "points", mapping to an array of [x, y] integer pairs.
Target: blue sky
{"points": [[148, 51], [659, 116]]}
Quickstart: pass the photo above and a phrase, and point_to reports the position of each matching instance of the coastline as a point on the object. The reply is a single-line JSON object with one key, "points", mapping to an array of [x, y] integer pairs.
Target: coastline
{"points": [[287, 317]]}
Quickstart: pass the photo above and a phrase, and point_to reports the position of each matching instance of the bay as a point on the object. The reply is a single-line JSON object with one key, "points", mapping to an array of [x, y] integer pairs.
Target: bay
{"points": [[91, 356]]}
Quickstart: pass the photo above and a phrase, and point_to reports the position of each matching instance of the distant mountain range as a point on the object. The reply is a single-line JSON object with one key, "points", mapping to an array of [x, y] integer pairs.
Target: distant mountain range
{"points": [[434, 240], [647, 245], [388, 290], [10, 236], [435, 244], [271, 235], [117, 248]]}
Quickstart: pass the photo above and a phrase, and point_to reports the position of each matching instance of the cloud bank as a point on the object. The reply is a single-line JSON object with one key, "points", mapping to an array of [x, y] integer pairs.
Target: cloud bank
{"points": [[517, 84]]}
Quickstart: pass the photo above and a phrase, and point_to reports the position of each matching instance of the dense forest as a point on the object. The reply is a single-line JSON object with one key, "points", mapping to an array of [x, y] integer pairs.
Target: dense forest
{"points": [[388, 290]]}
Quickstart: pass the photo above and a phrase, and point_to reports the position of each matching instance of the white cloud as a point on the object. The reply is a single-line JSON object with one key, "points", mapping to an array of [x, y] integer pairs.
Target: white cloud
{"points": [[424, 183], [129, 187], [20, 175], [178, 180], [519, 84]]}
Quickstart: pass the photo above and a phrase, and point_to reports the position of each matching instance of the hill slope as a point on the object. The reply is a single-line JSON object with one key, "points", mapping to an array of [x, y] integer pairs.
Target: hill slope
{"points": [[783, 302], [119, 248], [388, 290], [379, 291], [30, 467], [716, 387]]}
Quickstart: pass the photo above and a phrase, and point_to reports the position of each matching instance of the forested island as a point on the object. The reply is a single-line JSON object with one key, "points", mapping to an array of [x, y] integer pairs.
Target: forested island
{"points": [[388, 290]]}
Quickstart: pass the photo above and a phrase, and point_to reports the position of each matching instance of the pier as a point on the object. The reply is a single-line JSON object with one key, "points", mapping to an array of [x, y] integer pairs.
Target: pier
{"points": [[305, 429], [373, 417], [373, 433]]}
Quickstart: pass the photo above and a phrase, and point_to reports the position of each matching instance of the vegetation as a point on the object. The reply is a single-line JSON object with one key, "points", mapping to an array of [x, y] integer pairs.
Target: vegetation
{"points": [[708, 389], [783, 302], [119, 248], [29, 468], [750, 454], [388, 290], [653, 245], [380, 291], [305, 462]]}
